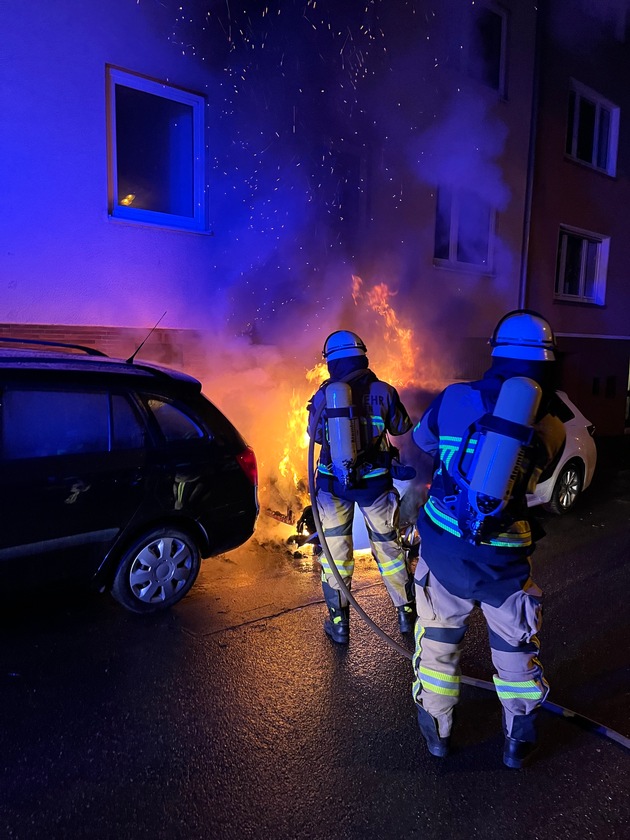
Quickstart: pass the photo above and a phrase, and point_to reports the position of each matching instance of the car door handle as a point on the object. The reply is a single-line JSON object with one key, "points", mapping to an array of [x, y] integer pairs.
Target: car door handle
{"points": [[76, 487]]}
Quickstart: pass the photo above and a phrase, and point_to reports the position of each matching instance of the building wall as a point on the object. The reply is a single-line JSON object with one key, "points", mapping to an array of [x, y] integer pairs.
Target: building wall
{"points": [[273, 258], [596, 361], [172, 348], [453, 131], [595, 375], [62, 259]]}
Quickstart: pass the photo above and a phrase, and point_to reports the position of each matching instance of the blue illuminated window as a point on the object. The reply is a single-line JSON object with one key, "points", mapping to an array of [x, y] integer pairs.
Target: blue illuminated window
{"points": [[582, 266], [592, 129], [156, 152], [38, 423]]}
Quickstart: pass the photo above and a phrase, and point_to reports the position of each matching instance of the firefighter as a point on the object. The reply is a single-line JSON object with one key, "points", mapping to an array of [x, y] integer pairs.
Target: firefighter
{"points": [[362, 476], [475, 549]]}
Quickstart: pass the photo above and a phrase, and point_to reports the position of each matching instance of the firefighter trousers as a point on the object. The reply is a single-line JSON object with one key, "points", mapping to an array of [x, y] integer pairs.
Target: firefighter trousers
{"points": [[512, 626], [381, 520]]}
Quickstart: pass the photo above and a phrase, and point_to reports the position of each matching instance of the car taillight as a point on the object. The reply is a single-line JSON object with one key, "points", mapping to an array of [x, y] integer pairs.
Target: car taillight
{"points": [[247, 460], [591, 430]]}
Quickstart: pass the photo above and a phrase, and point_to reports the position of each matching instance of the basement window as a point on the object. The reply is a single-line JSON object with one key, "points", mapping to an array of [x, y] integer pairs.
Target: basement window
{"points": [[155, 152], [582, 266], [592, 129]]}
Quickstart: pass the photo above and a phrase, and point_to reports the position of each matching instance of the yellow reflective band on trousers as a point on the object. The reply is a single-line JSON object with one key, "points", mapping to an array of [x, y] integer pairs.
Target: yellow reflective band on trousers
{"points": [[346, 567], [528, 690], [438, 683], [391, 567]]}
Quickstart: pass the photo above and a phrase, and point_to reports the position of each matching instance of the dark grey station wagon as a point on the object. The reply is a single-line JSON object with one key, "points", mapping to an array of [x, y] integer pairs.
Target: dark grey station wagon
{"points": [[117, 473]]}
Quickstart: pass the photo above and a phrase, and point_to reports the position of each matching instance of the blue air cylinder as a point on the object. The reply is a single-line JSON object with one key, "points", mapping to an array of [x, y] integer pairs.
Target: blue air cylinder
{"points": [[499, 456], [342, 430]]}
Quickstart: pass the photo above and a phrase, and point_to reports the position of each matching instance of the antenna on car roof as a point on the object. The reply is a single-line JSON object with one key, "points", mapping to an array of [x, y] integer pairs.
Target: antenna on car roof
{"points": [[140, 346]]}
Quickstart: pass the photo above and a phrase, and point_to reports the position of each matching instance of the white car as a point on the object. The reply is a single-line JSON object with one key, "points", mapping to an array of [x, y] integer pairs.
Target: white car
{"points": [[573, 473]]}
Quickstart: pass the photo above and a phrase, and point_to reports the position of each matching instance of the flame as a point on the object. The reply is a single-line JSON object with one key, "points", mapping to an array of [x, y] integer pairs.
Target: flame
{"points": [[293, 467], [400, 366], [395, 356]]}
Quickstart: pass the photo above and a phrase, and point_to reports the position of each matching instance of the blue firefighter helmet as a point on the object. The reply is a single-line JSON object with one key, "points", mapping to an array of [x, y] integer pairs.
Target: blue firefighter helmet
{"points": [[523, 334], [341, 344]]}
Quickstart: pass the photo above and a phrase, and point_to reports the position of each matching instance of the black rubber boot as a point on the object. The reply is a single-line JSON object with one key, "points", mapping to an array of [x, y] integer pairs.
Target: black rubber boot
{"points": [[337, 625], [521, 743], [517, 754], [437, 746], [406, 617]]}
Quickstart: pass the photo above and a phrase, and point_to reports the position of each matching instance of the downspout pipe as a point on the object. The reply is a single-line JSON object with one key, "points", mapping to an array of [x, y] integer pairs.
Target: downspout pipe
{"points": [[531, 156]]}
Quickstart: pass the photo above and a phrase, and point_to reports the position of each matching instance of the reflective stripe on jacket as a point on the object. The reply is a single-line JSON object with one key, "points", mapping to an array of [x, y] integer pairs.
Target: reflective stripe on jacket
{"points": [[440, 433]]}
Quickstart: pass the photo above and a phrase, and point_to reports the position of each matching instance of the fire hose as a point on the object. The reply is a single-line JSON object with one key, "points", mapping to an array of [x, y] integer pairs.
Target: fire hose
{"points": [[554, 708]]}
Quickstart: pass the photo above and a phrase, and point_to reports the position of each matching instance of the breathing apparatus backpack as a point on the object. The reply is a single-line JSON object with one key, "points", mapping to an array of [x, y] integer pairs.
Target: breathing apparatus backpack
{"points": [[485, 488], [343, 431], [354, 453]]}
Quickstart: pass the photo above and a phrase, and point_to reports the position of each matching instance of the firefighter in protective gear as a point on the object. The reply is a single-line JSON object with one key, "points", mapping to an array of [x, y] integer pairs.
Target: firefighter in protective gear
{"points": [[458, 569], [373, 409]]}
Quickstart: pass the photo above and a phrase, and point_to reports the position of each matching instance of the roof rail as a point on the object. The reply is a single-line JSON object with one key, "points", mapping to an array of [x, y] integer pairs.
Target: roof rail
{"points": [[90, 351]]}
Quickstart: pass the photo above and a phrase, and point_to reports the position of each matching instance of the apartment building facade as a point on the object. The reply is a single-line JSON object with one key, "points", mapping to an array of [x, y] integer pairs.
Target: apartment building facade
{"points": [[578, 264], [156, 169]]}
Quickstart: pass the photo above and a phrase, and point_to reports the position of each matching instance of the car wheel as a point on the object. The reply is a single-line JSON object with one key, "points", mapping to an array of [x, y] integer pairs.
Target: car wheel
{"points": [[156, 571], [566, 490]]}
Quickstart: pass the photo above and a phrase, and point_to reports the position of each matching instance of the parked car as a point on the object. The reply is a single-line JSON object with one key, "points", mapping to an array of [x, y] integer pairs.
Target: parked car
{"points": [[559, 487], [118, 473]]}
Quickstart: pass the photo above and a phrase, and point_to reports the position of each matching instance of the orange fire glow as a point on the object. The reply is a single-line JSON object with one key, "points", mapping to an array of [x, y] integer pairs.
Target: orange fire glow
{"points": [[394, 355]]}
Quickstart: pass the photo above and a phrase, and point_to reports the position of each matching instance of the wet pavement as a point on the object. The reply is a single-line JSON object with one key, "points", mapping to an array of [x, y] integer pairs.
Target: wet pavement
{"points": [[233, 716]]}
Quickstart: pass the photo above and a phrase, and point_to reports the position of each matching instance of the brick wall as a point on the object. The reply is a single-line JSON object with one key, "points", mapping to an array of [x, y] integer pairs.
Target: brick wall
{"points": [[175, 348]]}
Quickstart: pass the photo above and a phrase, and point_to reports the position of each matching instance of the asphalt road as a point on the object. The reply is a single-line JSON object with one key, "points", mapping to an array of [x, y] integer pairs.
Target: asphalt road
{"points": [[233, 716]]}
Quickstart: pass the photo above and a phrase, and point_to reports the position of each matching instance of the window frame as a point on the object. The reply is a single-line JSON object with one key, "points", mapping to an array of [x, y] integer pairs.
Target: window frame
{"points": [[601, 270], [503, 15], [119, 211], [453, 241], [578, 92]]}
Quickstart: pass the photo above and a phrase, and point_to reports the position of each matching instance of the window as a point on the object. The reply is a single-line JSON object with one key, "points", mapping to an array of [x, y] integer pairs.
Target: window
{"points": [[156, 152], [582, 266], [463, 227], [127, 430], [174, 424], [37, 424], [592, 129], [487, 49]]}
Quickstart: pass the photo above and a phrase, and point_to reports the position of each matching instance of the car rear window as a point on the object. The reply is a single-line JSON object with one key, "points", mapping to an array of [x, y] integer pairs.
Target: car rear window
{"points": [[561, 409], [174, 424]]}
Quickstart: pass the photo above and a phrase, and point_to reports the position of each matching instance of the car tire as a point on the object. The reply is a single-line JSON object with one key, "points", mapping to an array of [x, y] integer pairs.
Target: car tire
{"points": [[567, 489], [156, 571]]}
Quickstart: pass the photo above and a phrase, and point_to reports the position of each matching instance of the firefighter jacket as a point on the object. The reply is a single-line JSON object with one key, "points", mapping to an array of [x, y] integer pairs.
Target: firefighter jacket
{"points": [[380, 413], [501, 552]]}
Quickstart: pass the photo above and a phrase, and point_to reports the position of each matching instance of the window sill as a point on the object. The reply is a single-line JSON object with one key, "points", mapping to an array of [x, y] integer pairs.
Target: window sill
{"points": [[462, 268], [580, 300]]}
